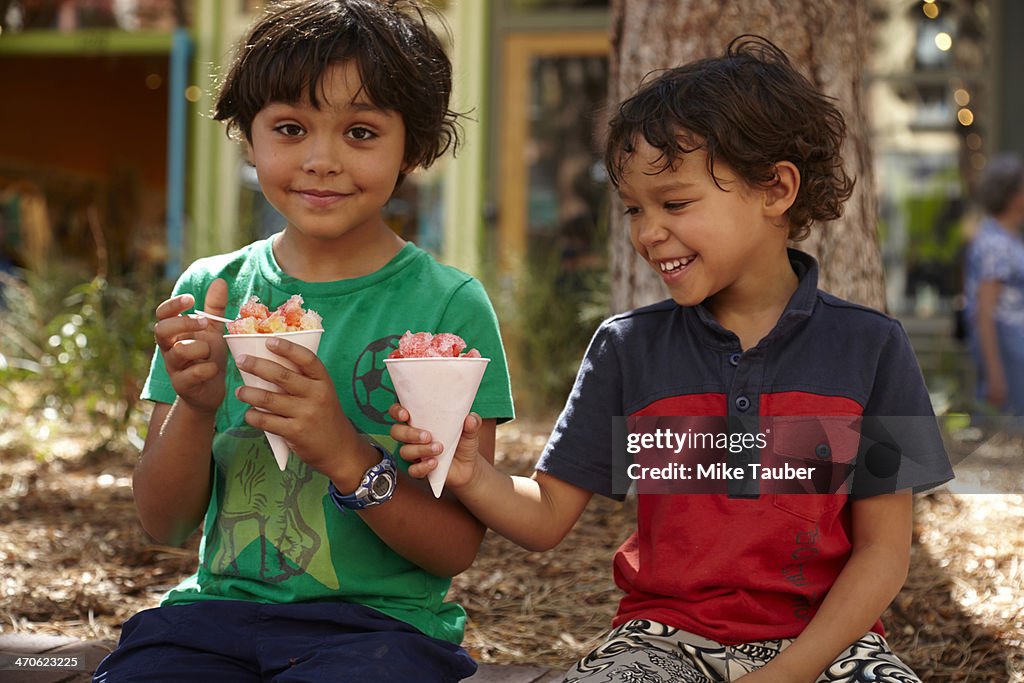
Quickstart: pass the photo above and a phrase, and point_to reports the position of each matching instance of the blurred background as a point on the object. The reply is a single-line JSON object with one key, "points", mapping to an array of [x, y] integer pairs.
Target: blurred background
{"points": [[113, 177]]}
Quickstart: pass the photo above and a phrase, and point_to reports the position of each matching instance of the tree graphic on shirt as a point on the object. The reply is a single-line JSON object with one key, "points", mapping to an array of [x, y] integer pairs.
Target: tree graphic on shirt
{"points": [[273, 511]]}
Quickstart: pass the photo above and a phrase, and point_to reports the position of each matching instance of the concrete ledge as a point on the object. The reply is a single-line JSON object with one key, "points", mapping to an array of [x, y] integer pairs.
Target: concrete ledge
{"points": [[91, 652]]}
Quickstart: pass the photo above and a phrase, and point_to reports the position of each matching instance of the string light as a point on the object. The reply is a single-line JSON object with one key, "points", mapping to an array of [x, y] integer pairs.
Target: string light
{"points": [[943, 41]]}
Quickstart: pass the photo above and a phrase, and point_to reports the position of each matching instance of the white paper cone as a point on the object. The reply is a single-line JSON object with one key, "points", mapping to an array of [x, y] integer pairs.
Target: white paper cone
{"points": [[256, 345], [280, 448], [438, 393]]}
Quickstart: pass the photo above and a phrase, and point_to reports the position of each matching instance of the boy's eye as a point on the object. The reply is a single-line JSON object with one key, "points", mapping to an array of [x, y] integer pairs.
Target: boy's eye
{"points": [[675, 206], [632, 211], [361, 133], [289, 129]]}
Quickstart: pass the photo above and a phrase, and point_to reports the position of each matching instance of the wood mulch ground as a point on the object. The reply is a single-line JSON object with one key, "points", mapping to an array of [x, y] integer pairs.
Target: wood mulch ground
{"points": [[74, 561]]}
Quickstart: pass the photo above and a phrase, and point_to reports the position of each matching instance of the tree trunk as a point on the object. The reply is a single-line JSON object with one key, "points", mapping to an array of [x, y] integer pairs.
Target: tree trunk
{"points": [[827, 41]]}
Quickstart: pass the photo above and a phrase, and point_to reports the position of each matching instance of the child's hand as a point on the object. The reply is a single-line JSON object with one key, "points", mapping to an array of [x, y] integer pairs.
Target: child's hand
{"points": [[193, 348], [306, 412], [421, 451]]}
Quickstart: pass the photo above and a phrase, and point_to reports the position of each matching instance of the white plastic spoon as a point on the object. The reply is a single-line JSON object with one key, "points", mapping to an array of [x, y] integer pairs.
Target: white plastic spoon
{"points": [[211, 316]]}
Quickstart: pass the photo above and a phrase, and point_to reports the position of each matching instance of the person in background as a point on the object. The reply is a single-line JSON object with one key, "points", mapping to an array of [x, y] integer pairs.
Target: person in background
{"points": [[994, 286]]}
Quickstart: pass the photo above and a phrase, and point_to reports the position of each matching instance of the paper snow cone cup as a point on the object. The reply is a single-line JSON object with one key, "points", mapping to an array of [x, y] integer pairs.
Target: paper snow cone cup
{"points": [[256, 345], [438, 393]]}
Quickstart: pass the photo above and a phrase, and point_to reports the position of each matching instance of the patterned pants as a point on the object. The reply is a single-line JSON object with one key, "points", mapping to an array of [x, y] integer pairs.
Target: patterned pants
{"points": [[643, 651]]}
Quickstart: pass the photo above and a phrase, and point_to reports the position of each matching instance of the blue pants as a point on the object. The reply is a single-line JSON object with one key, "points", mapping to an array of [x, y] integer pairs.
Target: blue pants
{"points": [[1011, 353], [225, 641]]}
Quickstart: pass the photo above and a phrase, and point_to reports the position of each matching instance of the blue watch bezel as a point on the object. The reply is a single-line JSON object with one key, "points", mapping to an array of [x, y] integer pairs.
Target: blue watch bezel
{"points": [[364, 497]]}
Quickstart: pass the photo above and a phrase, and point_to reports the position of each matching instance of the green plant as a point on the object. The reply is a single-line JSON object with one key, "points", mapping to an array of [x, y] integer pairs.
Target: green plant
{"points": [[76, 348], [548, 315]]}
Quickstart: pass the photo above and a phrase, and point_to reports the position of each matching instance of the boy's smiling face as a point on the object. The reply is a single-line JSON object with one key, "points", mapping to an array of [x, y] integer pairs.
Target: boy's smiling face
{"points": [[704, 241], [329, 171]]}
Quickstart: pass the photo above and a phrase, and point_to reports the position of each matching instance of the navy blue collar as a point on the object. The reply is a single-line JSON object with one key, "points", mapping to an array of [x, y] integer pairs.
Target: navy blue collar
{"points": [[799, 307]]}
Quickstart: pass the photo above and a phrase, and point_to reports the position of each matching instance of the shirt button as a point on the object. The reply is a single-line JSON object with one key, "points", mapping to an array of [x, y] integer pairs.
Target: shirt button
{"points": [[734, 359], [822, 450], [742, 402]]}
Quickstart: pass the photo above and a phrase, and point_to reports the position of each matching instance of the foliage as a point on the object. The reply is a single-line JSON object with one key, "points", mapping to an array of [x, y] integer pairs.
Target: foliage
{"points": [[548, 315], [76, 348], [936, 225]]}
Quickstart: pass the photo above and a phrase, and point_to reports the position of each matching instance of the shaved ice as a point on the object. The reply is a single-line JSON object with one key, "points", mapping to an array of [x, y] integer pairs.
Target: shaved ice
{"points": [[255, 318]]}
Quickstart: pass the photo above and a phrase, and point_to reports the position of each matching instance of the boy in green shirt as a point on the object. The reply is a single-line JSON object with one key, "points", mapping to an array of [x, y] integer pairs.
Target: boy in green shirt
{"points": [[336, 102]]}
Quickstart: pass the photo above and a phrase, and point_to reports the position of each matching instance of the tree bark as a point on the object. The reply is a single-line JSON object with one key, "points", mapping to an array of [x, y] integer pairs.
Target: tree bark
{"points": [[827, 41]]}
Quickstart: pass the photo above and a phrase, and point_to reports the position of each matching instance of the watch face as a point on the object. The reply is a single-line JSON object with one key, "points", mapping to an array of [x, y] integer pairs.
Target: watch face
{"points": [[381, 486]]}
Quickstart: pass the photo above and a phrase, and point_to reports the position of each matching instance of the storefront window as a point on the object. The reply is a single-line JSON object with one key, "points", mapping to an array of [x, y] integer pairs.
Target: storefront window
{"points": [[567, 188]]}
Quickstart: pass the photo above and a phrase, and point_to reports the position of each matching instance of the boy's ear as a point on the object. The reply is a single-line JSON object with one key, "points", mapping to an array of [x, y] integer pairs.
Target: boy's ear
{"points": [[248, 153], [781, 194]]}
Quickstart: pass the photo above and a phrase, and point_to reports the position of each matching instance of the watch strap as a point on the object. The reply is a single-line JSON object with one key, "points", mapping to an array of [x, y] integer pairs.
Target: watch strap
{"points": [[364, 496]]}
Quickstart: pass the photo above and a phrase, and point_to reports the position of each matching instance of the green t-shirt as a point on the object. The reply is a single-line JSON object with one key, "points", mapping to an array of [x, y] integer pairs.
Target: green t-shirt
{"points": [[273, 536]]}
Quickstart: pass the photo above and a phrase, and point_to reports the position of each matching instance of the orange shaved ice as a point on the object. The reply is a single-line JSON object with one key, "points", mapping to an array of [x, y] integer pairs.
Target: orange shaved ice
{"points": [[253, 309], [255, 318], [427, 345]]}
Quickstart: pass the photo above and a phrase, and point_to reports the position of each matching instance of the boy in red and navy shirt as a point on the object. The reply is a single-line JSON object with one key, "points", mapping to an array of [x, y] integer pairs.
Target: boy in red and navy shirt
{"points": [[719, 164]]}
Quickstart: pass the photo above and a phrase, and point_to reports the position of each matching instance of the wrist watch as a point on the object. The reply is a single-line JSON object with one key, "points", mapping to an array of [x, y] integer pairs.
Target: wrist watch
{"points": [[377, 486]]}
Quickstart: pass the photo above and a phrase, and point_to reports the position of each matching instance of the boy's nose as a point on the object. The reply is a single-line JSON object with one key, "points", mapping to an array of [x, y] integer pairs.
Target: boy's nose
{"points": [[649, 232], [322, 158]]}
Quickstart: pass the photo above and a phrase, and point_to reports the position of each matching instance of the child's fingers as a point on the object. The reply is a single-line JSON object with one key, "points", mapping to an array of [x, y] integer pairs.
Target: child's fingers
{"points": [[420, 451], [270, 401], [216, 299], [422, 468], [275, 373], [267, 422], [174, 306], [188, 378], [471, 425], [398, 413], [409, 434], [186, 352], [169, 331], [304, 359]]}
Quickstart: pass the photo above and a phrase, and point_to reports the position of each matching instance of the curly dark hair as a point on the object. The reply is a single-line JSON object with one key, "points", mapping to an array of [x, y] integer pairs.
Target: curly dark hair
{"points": [[401, 62], [749, 109]]}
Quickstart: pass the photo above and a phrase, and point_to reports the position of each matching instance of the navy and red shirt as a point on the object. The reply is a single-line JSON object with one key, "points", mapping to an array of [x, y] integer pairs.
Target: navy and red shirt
{"points": [[738, 569]]}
